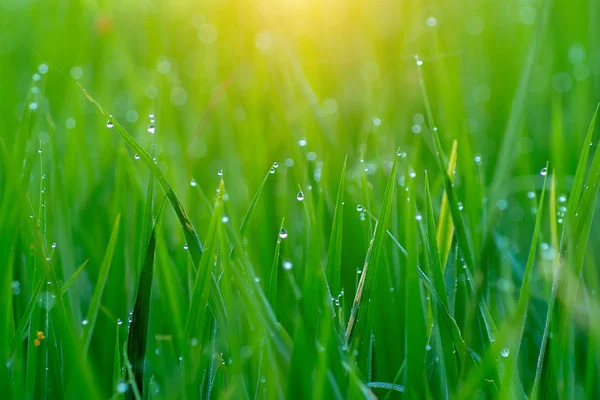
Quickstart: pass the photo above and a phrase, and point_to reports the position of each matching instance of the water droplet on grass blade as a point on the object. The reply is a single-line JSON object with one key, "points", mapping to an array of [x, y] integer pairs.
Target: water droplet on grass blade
{"points": [[302, 142], [287, 265], [109, 124], [84, 322], [220, 172], [185, 246], [121, 387], [300, 196], [359, 208], [505, 352], [283, 233], [193, 182], [272, 170], [544, 171], [137, 157], [275, 164], [418, 217], [151, 129]]}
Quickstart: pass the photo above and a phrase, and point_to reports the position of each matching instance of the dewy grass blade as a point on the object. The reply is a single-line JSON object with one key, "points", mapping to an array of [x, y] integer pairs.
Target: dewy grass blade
{"points": [[464, 242], [572, 219], [92, 314], [334, 254], [138, 331], [520, 316], [369, 274], [446, 228], [193, 241]]}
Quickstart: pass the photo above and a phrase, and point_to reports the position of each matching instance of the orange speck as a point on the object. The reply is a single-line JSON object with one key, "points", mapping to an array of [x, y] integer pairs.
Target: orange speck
{"points": [[36, 342], [104, 24], [40, 335]]}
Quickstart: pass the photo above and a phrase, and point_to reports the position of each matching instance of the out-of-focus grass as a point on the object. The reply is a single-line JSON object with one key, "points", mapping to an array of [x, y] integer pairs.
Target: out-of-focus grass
{"points": [[405, 147]]}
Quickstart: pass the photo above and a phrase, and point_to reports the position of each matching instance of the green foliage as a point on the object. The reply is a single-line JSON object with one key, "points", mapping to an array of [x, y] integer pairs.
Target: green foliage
{"points": [[340, 218]]}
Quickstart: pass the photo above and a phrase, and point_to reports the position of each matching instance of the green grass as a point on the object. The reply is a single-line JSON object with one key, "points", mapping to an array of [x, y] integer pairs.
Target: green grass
{"points": [[335, 199]]}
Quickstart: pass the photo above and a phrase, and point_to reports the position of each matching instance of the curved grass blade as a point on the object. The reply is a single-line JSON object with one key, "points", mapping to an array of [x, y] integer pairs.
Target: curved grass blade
{"points": [[92, 314], [572, 219], [386, 385], [193, 241], [138, 331], [334, 254]]}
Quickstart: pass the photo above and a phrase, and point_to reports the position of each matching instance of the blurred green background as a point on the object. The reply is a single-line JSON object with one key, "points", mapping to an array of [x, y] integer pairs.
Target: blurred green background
{"points": [[239, 85]]}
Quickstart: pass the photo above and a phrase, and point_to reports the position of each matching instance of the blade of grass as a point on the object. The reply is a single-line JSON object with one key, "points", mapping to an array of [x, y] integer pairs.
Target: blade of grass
{"points": [[570, 220], [446, 228], [138, 331], [334, 254], [374, 252], [92, 314], [193, 241], [520, 316]]}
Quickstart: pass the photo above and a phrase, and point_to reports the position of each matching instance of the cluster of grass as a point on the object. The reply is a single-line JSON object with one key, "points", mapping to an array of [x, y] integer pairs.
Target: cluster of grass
{"points": [[263, 199]]}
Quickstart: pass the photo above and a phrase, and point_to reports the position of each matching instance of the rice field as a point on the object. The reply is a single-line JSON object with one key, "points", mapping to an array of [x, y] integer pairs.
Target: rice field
{"points": [[336, 199]]}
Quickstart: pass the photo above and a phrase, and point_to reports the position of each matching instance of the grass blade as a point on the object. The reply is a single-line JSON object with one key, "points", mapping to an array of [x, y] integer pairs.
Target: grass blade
{"points": [[520, 316], [138, 331], [334, 254], [373, 254], [92, 314], [446, 228]]}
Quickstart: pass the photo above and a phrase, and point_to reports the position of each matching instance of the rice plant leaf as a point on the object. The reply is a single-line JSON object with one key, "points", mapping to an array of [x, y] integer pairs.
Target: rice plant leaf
{"points": [[65, 287], [520, 316], [448, 365], [138, 331], [193, 241], [200, 291], [334, 254], [368, 278], [92, 313], [272, 284], [579, 215], [446, 228]]}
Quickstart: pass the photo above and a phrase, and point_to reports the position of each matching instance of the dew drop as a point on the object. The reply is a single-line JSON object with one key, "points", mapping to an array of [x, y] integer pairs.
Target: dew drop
{"points": [[84, 322], [225, 219], [418, 217], [275, 164], [220, 172], [193, 182], [137, 156], [272, 170], [544, 171], [151, 128], [300, 196], [121, 387], [302, 142], [505, 352], [477, 160], [54, 245], [460, 206], [418, 61], [531, 195], [359, 208], [109, 124], [283, 233], [562, 198], [287, 265], [119, 321], [185, 246]]}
